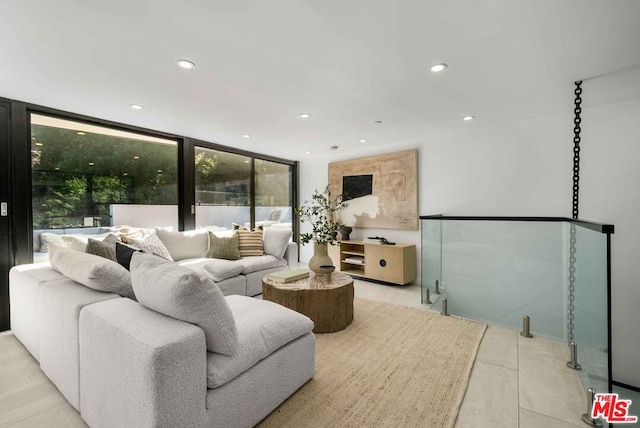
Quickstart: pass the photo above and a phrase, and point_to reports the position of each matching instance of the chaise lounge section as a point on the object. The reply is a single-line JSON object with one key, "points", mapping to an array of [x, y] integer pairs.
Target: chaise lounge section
{"points": [[129, 363]]}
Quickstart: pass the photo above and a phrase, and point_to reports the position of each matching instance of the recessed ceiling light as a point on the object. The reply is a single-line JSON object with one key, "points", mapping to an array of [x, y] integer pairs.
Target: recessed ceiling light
{"points": [[185, 63], [469, 117], [80, 133], [57, 169], [333, 147], [246, 161], [304, 115], [91, 164], [160, 170], [377, 122], [136, 157], [246, 136], [39, 144], [437, 68], [308, 152], [363, 140], [136, 106], [125, 173]]}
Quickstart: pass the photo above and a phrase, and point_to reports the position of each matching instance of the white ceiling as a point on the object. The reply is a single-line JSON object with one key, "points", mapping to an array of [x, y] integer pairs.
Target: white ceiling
{"points": [[346, 62]]}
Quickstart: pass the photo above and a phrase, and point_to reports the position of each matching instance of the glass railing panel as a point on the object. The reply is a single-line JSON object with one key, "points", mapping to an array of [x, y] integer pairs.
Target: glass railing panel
{"points": [[499, 271], [553, 270], [589, 327], [431, 260]]}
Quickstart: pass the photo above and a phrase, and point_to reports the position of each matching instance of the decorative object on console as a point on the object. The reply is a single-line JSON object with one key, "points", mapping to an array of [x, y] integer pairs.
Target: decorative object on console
{"points": [[345, 231], [320, 212], [382, 190]]}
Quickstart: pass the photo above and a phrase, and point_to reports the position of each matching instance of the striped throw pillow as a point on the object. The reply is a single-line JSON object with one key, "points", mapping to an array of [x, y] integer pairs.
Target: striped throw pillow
{"points": [[249, 243]]}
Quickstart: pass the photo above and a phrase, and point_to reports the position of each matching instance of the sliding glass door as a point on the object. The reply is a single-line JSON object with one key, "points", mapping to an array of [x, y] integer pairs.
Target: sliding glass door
{"points": [[222, 189], [233, 188], [273, 201]]}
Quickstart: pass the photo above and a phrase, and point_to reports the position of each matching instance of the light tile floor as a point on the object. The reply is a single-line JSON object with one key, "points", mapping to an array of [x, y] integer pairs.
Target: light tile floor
{"points": [[515, 382]]}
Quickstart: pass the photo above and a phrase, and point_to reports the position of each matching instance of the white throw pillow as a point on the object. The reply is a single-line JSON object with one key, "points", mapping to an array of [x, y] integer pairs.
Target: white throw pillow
{"points": [[275, 241], [152, 244], [90, 270], [74, 243], [181, 293], [47, 238], [185, 245]]}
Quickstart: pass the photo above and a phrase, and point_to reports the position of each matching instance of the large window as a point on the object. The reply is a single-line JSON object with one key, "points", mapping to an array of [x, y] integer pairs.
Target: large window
{"points": [[86, 176], [223, 182]]}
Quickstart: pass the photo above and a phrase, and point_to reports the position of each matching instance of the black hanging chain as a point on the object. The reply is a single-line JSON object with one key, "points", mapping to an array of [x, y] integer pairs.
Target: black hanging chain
{"points": [[573, 241], [577, 111]]}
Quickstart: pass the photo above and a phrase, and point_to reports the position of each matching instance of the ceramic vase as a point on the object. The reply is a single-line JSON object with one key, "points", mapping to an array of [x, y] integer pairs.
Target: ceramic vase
{"points": [[321, 264]]}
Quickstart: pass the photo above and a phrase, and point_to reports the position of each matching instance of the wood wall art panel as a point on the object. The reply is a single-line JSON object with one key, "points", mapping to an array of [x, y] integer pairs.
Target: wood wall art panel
{"points": [[382, 190]]}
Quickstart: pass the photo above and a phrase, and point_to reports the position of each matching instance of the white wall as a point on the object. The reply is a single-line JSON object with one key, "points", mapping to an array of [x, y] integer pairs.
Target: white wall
{"points": [[609, 178], [524, 168]]}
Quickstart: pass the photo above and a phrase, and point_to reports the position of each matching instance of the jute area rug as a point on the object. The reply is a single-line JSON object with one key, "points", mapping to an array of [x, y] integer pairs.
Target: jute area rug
{"points": [[392, 367]]}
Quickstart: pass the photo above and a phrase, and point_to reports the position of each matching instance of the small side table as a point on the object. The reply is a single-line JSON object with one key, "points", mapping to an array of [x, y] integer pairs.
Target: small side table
{"points": [[329, 303]]}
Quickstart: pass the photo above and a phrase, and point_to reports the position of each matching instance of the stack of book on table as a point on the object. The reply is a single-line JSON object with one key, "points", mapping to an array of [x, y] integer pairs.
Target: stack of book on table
{"points": [[285, 276]]}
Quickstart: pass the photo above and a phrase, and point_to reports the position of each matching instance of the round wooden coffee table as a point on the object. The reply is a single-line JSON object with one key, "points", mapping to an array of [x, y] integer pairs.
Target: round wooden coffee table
{"points": [[328, 302]]}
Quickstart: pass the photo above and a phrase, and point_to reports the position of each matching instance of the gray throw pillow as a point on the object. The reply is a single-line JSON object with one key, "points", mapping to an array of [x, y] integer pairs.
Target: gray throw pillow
{"points": [[102, 249], [275, 241], [185, 245], [92, 271], [181, 293], [223, 247]]}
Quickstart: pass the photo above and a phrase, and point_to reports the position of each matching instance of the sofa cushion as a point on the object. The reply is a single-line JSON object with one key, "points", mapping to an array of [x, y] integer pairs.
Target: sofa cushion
{"points": [[182, 293], [263, 327], [185, 245], [216, 269], [224, 247], [258, 263], [92, 271], [249, 243], [152, 244], [275, 241]]}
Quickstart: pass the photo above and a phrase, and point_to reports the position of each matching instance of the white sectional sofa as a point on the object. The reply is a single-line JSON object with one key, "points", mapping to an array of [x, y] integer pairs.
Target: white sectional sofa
{"points": [[170, 359]]}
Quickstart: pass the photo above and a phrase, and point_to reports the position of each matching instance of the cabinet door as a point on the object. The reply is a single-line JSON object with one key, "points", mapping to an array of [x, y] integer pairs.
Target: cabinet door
{"points": [[372, 258], [393, 271]]}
